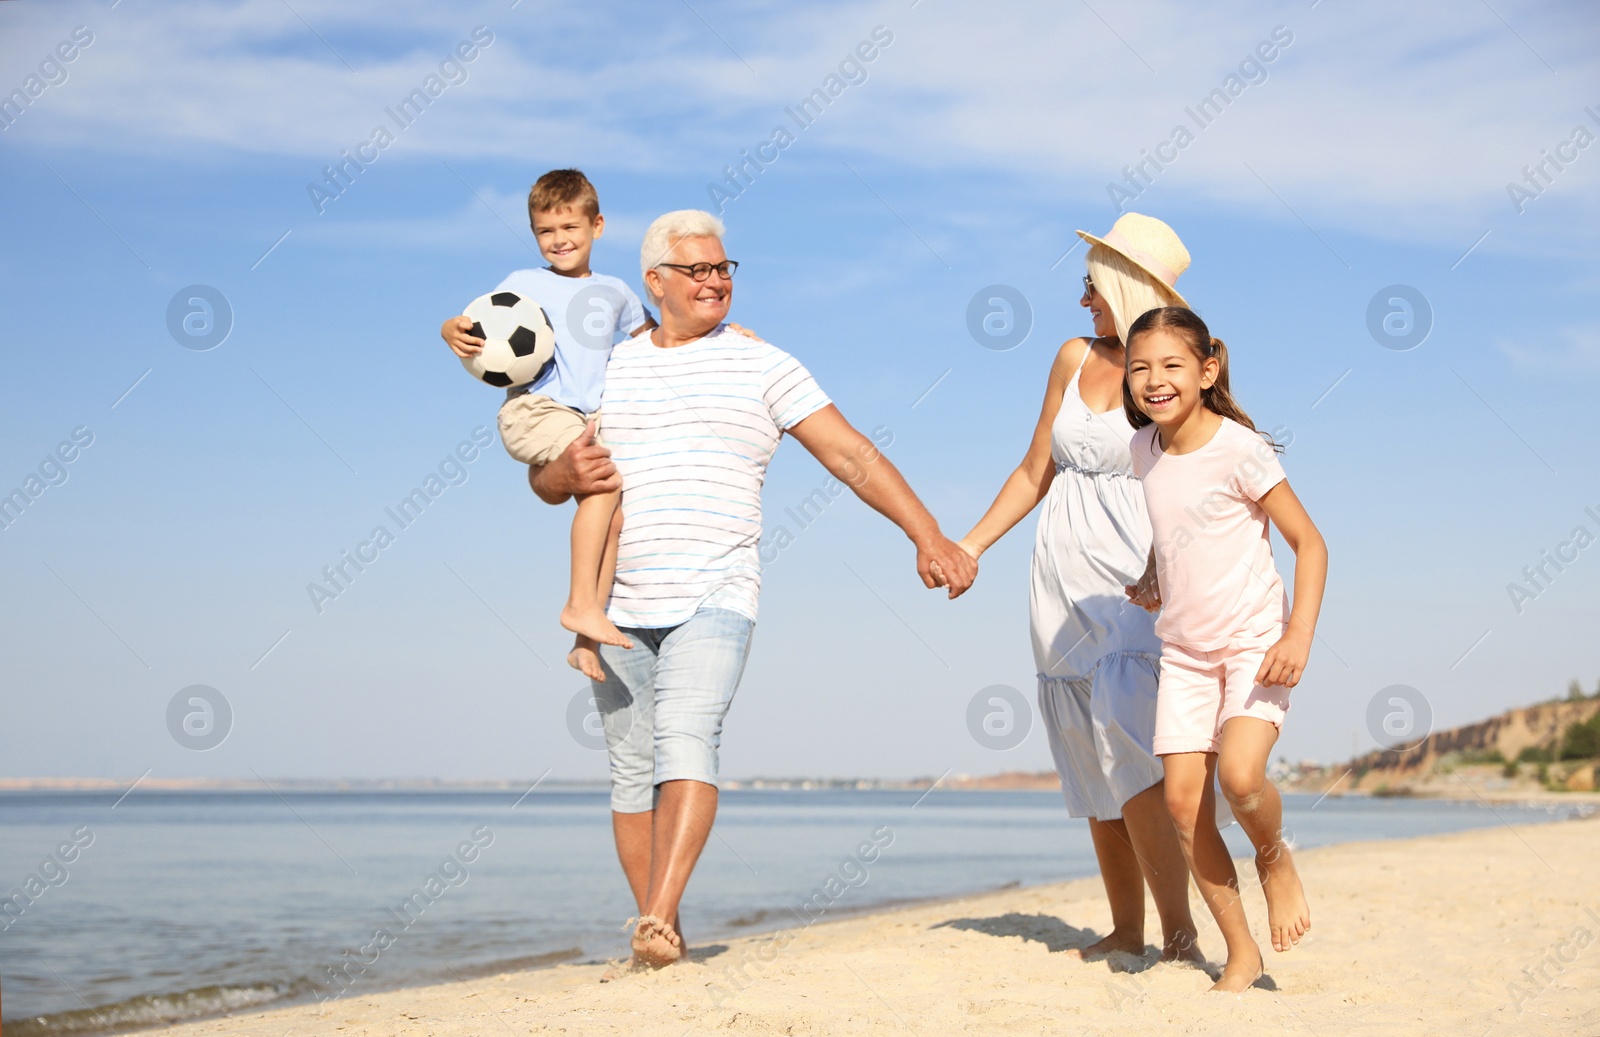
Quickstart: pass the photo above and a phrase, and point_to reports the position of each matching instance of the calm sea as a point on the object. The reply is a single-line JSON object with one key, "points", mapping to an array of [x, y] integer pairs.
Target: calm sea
{"points": [[182, 904]]}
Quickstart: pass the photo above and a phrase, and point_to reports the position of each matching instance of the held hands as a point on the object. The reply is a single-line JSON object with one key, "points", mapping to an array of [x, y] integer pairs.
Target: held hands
{"points": [[947, 563], [942, 563], [455, 333], [1146, 592], [1286, 660]]}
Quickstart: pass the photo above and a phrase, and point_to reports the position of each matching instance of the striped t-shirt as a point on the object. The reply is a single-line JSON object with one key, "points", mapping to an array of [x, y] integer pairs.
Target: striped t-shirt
{"points": [[691, 429]]}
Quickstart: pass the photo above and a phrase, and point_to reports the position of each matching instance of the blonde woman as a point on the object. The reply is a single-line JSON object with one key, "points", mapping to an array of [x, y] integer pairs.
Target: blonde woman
{"points": [[1096, 654]]}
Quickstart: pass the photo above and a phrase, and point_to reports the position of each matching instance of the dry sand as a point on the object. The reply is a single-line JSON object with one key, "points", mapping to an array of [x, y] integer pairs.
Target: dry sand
{"points": [[1495, 931]]}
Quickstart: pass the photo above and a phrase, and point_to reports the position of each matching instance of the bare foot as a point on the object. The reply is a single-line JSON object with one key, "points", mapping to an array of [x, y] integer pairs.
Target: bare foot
{"points": [[633, 964], [586, 659], [1183, 946], [1288, 914], [1240, 972], [1126, 943], [655, 943], [591, 622]]}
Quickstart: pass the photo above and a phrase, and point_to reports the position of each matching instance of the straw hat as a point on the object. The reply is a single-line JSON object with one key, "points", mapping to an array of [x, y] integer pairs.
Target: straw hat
{"points": [[1148, 244]]}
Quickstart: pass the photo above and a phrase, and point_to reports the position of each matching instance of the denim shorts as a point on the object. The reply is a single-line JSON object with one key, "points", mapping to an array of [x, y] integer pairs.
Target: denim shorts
{"points": [[663, 701]]}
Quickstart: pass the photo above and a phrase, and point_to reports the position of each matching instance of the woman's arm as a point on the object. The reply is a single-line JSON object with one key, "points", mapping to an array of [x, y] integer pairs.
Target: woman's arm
{"points": [[1026, 487], [1286, 660]]}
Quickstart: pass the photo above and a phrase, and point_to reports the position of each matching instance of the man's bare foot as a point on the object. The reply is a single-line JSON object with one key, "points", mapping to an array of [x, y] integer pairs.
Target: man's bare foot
{"points": [[1126, 943], [655, 943], [633, 964], [591, 622], [1183, 946], [585, 658], [1288, 914], [1240, 972]]}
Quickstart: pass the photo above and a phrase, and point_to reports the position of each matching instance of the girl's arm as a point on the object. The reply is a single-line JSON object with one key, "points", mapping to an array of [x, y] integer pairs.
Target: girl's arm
{"points": [[1286, 660], [1026, 486]]}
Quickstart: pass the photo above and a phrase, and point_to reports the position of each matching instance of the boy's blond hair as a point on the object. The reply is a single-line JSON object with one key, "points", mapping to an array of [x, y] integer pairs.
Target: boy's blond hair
{"points": [[560, 188]]}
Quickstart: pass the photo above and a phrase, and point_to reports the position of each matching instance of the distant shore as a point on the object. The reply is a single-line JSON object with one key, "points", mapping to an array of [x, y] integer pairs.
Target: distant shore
{"points": [[1466, 784]]}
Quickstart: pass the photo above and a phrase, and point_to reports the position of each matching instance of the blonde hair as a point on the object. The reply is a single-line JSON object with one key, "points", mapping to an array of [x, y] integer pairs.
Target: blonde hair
{"points": [[1127, 290], [663, 236]]}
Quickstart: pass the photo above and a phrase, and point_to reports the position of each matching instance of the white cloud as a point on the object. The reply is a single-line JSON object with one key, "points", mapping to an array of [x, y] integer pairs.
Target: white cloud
{"points": [[1403, 121], [1571, 348]]}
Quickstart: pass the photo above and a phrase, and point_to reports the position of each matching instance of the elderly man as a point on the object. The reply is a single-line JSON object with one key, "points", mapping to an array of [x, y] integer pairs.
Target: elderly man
{"points": [[693, 413]]}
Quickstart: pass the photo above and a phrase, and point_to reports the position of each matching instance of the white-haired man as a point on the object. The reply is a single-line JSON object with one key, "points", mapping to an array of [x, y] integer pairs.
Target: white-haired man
{"points": [[692, 415]]}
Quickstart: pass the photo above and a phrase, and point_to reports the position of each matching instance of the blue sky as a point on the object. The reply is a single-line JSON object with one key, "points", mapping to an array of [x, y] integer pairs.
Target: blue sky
{"points": [[177, 146]]}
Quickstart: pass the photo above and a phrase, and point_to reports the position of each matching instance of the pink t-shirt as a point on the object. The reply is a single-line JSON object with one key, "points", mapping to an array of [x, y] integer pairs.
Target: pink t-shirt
{"points": [[1218, 580]]}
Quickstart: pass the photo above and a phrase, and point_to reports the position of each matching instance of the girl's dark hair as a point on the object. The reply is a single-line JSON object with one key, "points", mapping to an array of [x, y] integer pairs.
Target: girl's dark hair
{"points": [[1187, 325]]}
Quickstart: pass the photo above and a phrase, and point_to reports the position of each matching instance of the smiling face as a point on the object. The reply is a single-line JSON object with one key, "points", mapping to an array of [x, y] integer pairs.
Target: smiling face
{"points": [[566, 237], [1166, 377], [690, 308], [1105, 326]]}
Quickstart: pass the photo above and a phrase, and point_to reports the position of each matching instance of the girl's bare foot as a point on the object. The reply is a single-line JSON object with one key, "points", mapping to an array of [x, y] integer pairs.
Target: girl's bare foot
{"points": [[1240, 972], [592, 623], [655, 943], [1288, 914], [585, 658], [1125, 943]]}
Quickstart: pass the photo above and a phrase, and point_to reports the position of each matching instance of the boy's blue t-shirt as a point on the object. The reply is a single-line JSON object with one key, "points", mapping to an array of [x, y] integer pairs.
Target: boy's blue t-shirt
{"points": [[589, 315]]}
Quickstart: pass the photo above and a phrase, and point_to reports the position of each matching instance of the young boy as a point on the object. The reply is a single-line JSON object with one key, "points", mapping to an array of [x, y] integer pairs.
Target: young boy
{"points": [[537, 422]]}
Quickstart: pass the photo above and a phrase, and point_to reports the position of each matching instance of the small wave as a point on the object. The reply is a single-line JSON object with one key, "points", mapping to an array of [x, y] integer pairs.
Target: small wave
{"points": [[155, 1009]]}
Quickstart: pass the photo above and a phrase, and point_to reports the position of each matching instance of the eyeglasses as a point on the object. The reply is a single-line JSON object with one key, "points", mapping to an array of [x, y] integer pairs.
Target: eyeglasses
{"points": [[702, 271], [1088, 285]]}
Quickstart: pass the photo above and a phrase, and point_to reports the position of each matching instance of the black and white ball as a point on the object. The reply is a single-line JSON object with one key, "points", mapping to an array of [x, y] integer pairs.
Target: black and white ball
{"points": [[518, 342]]}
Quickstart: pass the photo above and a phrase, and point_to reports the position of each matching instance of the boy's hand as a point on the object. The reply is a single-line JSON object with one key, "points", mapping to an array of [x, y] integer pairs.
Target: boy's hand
{"points": [[455, 333], [1285, 661], [746, 332]]}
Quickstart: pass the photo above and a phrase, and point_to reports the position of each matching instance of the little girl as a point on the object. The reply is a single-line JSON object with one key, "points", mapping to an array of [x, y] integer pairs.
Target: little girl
{"points": [[1231, 647]]}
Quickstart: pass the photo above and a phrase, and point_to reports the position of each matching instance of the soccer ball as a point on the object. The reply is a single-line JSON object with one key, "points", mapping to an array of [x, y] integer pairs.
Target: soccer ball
{"points": [[518, 342]]}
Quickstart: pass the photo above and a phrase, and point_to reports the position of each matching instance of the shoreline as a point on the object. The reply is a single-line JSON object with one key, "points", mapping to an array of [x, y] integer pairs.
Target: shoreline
{"points": [[880, 967]]}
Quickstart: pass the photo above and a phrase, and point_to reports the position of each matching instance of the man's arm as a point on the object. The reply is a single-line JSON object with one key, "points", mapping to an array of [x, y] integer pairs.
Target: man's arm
{"points": [[852, 459], [584, 467]]}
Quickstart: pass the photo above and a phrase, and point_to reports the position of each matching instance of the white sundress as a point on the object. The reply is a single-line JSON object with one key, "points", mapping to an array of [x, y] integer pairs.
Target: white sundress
{"points": [[1096, 653]]}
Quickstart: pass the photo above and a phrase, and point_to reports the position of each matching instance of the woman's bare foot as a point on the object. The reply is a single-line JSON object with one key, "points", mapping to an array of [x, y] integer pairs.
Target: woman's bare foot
{"points": [[591, 622], [1288, 914], [655, 943], [1125, 943], [585, 658], [1183, 946], [1240, 972]]}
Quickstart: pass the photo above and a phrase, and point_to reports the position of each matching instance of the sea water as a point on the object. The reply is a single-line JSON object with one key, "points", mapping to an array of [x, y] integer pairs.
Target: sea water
{"points": [[183, 904]]}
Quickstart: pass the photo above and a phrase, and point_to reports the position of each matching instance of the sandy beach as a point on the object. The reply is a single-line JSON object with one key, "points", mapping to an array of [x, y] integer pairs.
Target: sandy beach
{"points": [[1494, 931]]}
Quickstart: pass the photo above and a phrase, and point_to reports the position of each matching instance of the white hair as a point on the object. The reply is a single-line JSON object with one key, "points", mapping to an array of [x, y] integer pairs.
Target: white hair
{"points": [[665, 233], [1127, 290]]}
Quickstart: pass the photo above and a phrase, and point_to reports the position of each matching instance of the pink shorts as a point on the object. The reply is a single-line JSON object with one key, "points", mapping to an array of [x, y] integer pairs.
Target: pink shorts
{"points": [[1201, 691]]}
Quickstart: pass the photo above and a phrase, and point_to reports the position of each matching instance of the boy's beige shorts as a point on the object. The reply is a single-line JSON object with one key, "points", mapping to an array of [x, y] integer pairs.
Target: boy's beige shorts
{"points": [[536, 429]]}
